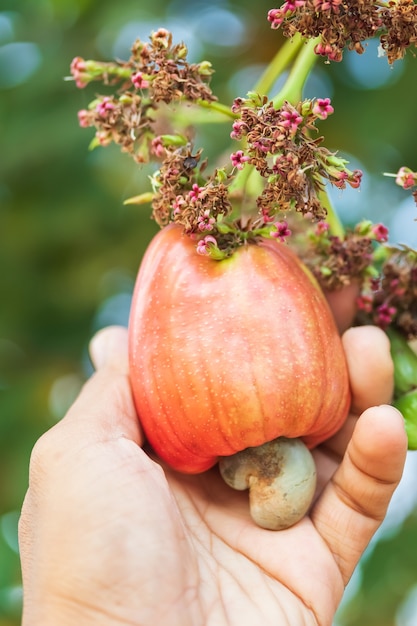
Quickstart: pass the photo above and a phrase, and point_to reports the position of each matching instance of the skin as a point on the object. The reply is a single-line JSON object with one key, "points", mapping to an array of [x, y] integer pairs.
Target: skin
{"points": [[110, 537]]}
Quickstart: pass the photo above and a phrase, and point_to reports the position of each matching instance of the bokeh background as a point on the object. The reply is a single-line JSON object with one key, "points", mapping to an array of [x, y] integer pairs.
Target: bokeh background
{"points": [[69, 248]]}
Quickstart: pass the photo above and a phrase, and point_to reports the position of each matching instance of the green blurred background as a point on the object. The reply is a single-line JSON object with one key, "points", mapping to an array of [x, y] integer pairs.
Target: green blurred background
{"points": [[69, 249]]}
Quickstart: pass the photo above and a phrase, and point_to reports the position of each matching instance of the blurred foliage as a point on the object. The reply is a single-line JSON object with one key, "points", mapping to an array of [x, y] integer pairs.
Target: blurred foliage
{"points": [[69, 249]]}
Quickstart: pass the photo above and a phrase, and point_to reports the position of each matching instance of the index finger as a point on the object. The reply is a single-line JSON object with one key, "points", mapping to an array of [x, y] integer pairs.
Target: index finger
{"points": [[104, 408], [371, 374]]}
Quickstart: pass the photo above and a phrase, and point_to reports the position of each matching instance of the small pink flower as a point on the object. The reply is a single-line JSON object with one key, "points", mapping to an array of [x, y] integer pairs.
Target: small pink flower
{"points": [[237, 104], [79, 72], [405, 178], [239, 159], [355, 178], [364, 303], [291, 120], [322, 108], [292, 5], [380, 232], [139, 81], [327, 5], [178, 205], [157, 147], [195, 193], [337, 176], [105, 106], [323, 49], [238, 128], [204, 245], [205, 221], [385, 314], [276, 17], [263, 144], [84, 118], [322, 227], [396, 288], [282, 231], [375, 283], [77, 65]]}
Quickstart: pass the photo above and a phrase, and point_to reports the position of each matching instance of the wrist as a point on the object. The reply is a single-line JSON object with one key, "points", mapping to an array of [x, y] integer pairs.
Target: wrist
{"points": [[66, 612]]}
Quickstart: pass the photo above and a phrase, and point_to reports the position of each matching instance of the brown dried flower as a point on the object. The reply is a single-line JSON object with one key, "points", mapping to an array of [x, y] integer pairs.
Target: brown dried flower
{"points": [[347, 24]]}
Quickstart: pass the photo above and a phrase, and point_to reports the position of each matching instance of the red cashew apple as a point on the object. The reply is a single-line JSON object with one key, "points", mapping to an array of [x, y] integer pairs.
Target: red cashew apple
{"points": [[227, 355]]}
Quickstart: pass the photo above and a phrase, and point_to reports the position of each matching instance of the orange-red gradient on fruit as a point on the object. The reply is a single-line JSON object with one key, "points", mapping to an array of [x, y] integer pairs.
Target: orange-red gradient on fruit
{"points": [[230, 354]]}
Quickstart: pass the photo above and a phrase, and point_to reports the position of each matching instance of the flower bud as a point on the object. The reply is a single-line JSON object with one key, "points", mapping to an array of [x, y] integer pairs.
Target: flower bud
{"points": [[205, 68]]}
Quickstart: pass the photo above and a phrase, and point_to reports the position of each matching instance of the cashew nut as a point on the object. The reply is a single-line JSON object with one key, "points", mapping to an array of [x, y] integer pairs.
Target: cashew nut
{"points": [[280, 476]]}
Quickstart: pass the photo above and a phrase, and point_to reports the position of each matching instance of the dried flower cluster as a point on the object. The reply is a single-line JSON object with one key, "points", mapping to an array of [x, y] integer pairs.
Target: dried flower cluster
{"points": [[292, 167], [391, 299], [281, 148], [347, 24], [337, 261], [156, 72], [180, 198]]}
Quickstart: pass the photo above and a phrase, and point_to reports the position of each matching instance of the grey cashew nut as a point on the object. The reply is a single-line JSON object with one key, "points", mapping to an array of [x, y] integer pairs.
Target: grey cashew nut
{"points": [[280, 476]]}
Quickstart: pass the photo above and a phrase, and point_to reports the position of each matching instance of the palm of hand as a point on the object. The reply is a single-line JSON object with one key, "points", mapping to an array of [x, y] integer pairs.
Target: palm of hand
{"points": [[243, 574], [191, 536], [120, 541]]}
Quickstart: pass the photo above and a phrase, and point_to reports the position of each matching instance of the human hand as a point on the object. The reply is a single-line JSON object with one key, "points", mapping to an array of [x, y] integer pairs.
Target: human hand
{"points": [[110, 537]]}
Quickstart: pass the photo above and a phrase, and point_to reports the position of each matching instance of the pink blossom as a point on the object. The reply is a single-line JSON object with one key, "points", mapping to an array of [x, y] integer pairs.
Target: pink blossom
{"points": [[282, 231], [322, 227], [405, 178], [323, 49], [338, 177], [105, 106], [327, 5], [84, 118], [239, 159], [205, 221], [178, 205], [276, 17], [195, 193], [375, 283], [385, 314], [238, 128], [139, 81], [327, 50], [292, 5], [380, 232], [263, 144], [355, 178], [322, 108], [364, 303], [237, 104], [204, 245], [396, 288], [78, 71], [157, 146], [292, 120]]}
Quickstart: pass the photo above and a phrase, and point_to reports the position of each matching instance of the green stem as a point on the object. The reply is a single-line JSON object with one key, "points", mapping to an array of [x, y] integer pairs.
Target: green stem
{"points": [[217, 106], [304, 63], [332, 218], [291, 90], [279, 63]]}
